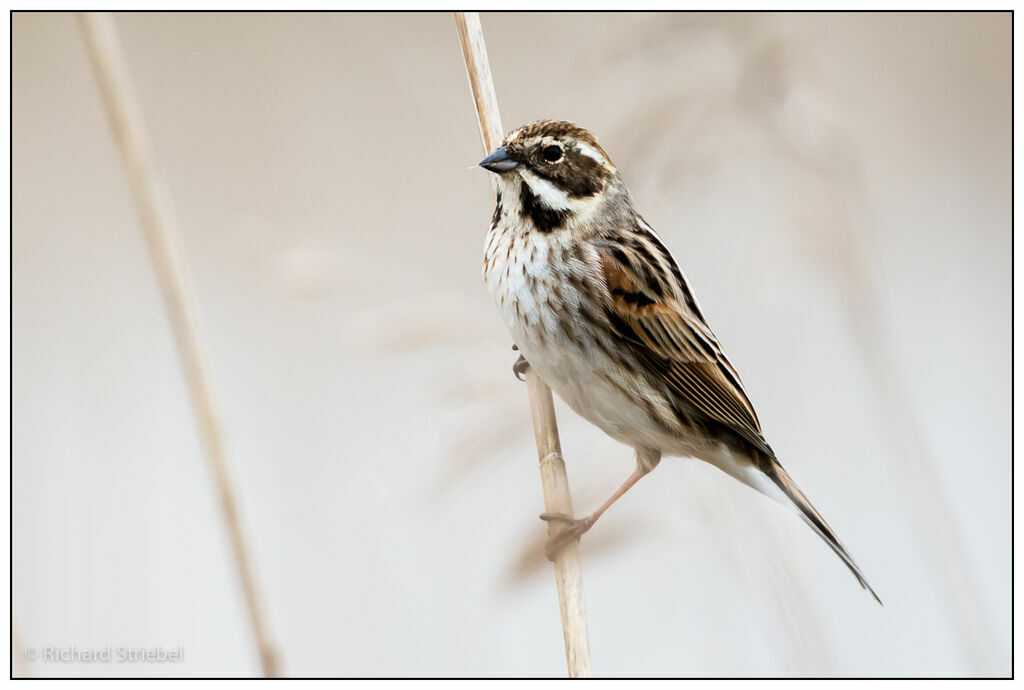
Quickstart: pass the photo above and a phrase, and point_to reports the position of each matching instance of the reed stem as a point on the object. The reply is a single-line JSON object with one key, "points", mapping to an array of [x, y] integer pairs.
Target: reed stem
{"points": [[557, 498]]}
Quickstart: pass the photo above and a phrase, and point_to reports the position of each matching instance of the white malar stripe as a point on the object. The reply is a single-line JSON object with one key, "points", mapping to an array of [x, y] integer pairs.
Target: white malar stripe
{"points": [[550, 195]]}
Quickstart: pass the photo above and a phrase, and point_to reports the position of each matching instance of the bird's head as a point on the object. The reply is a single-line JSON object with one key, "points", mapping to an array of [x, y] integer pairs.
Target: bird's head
{"points": [[559, 170]]}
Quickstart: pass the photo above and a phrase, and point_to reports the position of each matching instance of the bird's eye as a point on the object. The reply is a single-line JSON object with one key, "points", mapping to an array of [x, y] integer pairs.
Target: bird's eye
{"points": [[552, 154]]}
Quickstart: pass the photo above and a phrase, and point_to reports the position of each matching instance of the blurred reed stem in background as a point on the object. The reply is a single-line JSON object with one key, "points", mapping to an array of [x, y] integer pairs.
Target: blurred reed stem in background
{"points": [[162, 237], [18, 654]]}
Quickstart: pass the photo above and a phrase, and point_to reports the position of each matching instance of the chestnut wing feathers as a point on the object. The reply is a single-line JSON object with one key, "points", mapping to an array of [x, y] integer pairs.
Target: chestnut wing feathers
{"points": [[649, 306]]}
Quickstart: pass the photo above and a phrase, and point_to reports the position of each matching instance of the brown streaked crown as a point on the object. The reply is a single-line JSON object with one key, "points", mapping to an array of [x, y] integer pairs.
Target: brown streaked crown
{"points": [[558, 129], [579, 171]]}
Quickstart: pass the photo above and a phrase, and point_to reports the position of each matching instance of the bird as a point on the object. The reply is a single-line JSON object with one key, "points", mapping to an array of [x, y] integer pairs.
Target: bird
{"points": [[602, 312]]}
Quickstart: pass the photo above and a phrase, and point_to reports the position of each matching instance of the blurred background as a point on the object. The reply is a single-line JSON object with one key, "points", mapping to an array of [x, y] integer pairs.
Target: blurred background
{"points": [[836, 186]]}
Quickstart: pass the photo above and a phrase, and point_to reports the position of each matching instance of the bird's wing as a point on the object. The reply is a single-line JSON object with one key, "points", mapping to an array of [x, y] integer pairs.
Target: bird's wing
{"points": [[649, 305]]}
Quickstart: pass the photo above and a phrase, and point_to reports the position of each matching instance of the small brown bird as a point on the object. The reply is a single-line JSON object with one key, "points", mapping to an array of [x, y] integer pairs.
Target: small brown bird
{"points": [[601, 310]]}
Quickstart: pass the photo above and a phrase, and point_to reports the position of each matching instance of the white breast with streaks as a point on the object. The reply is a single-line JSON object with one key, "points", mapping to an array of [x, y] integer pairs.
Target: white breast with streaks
{"points": [[527, 276]]}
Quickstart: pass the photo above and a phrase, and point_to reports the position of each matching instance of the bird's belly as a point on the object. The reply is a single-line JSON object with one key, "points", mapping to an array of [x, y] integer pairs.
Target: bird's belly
{"points": [[594, 390]]}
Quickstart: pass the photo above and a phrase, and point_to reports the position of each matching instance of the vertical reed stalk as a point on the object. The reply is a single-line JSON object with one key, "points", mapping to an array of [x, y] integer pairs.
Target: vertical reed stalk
{"points": [[19, 667], [557, 499], [163, 241]]}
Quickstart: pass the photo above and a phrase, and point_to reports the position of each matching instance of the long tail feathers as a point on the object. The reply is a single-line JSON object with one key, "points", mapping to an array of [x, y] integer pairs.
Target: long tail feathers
{"points": [[812, 517]]}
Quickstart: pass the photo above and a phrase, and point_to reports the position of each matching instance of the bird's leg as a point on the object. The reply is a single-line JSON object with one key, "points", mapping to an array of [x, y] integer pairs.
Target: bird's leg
{"points": [[520, 366], [574, 528]]}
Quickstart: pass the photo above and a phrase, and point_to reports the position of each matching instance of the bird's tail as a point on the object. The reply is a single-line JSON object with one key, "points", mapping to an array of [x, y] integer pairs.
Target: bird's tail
{"points": [[775, 472]]}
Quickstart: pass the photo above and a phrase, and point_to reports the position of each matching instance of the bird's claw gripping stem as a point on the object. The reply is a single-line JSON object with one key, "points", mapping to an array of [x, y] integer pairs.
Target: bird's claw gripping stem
{"points": [[519, 368], [572, 530]]}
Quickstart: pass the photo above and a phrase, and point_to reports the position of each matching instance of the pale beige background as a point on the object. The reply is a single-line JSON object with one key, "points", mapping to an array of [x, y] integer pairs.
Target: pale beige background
{"points": [[837, 188]]}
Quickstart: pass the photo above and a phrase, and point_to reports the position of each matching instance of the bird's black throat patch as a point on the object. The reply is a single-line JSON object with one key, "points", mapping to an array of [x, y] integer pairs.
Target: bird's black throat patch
{"points": [[498, 211], [545, 219]]}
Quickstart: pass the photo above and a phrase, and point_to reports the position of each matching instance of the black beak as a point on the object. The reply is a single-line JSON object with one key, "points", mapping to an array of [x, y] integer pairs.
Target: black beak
{"points": [[499, 161]]}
